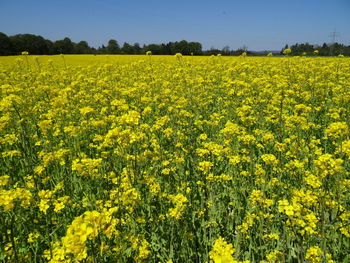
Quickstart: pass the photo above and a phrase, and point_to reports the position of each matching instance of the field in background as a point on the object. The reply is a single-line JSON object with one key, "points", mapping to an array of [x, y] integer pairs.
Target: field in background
{"points": [[174, 159], [71, 60]]}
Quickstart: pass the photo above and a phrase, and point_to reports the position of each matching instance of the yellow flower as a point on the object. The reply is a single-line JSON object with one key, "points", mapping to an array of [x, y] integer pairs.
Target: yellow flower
{"points": [[337, 130], [32, 237], [87, 166], [275, 257], [143, 251], [178, 55], [86, 110], [44, 205], [285, 207], [327, 165], [287, 51], [4, 180], [270, 159], [179, 201], [205, 166], [313, 254], [312, 180], [222, 252]]}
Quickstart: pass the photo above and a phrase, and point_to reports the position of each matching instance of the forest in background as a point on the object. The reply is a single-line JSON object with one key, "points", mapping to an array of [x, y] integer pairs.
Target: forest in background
{"points": [[38, 45]]}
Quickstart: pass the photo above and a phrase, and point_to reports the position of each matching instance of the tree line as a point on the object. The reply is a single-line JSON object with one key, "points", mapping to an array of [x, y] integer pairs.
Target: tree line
{"points": [[37, 45], [334, 49]]}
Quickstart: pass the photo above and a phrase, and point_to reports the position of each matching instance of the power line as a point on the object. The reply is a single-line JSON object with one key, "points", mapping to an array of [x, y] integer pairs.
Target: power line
{"points": [[334, 35]]}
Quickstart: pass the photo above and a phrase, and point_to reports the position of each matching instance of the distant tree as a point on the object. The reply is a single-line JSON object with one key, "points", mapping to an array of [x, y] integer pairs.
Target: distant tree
{"points": [[102, 50], [163, 50], [212, 51], [173, 48], [324, 50], [50, 47], [240, 51], [337, 49], [182, 47], [65, 46], [94, 51], [225, 51], [35, 44], [6, 47], [113, 47], [127, 48], [195, 48], [154, 48], [32, 43], [346, 51], [82, 48], [285, 47], [168, 49], [303, 48], [137, 49]]}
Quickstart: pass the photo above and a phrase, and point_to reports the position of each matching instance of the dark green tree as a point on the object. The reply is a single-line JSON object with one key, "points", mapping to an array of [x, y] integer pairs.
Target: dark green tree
{"points": [[127, 48], [6, 47], [65, 46], [113, 47], [169, 48], [50, 47], [154, 48], [337, 49], [301, 49], [182, 47], [102, 50], [137, 49], [82, 48], [195, 48], [324, 50], [32, 43]]}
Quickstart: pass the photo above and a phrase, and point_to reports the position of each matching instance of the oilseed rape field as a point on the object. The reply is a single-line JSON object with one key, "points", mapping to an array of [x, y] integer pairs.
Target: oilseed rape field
{"points": [[174, 159]]}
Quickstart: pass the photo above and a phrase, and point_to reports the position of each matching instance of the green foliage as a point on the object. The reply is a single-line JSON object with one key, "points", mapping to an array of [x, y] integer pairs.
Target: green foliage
{"points": [[6, 46], [32, 43], [113, 47], [37, 45]]}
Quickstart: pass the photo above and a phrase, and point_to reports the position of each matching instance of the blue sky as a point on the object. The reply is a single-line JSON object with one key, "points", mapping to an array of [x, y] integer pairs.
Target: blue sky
{"points": [[257, 24]]}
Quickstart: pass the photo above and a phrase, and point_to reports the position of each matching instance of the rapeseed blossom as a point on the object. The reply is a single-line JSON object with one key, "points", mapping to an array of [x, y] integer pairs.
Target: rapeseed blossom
{"points": [[222, 251], [178, 159]]}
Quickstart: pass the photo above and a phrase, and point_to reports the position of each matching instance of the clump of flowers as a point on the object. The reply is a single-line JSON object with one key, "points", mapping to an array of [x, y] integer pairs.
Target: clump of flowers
{"points": [[314, 254], [287, 51], [222, 251]]}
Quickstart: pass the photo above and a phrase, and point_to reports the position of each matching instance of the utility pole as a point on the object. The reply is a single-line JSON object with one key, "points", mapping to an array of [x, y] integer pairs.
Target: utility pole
{"points": [[333, 36]]}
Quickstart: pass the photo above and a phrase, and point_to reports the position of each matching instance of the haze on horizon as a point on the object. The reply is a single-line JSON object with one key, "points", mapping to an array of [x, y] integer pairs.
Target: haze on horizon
{"points": [[256, 24]]}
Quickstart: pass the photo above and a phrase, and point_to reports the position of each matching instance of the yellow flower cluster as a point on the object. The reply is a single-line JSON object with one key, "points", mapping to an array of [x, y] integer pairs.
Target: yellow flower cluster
{"points": [[83, 228], [222, 252], [180, 202], [87, 166], [8, 198], [337, 130], [313, 254]]}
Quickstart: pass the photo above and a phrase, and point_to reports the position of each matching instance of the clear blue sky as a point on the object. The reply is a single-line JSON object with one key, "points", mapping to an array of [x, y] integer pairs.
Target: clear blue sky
{"points": [[258, 24]]}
